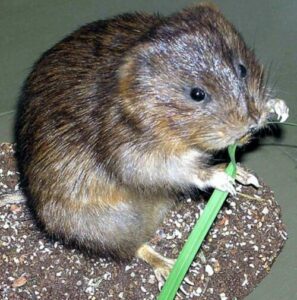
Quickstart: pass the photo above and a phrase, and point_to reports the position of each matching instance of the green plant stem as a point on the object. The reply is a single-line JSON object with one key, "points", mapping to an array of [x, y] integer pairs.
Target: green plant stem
{"points": [[197, 236]]}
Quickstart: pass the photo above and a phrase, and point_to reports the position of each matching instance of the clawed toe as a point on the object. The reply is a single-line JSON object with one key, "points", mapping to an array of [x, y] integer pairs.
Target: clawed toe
{"points": [[182, 288], [163, 273], [246, 178], [188, 281], [279, 108], [163, 270], [223, 182]]}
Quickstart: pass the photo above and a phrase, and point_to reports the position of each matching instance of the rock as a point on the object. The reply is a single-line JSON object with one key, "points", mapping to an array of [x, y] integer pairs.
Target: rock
{"points": [[237, 254]]}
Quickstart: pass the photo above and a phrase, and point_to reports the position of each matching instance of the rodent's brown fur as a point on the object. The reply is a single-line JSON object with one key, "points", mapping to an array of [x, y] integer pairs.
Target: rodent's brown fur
{"points": [[107, 134]]}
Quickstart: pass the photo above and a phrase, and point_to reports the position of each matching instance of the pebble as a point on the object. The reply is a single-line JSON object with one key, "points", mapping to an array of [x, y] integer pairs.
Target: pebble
{"points": [[209, 270], [223, 296]]}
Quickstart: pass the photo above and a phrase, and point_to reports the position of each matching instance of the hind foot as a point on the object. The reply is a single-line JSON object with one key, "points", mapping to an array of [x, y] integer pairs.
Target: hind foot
{"points": [[161, 265]]}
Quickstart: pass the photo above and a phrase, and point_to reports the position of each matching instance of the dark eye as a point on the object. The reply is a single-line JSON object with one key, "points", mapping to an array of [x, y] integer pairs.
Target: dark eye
{"points": [[242, 70], [197, 94]]}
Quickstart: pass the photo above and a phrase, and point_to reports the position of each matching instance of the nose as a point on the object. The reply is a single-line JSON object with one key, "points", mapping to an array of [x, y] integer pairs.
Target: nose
{"points": [[253, 129]]}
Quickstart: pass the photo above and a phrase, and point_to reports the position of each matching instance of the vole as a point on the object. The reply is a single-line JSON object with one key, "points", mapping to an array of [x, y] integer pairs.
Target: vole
{"points": [[124, 114]]}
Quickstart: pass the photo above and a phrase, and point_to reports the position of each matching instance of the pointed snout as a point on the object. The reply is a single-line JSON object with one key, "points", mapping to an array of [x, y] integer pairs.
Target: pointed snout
{"points": [[252, 129]]}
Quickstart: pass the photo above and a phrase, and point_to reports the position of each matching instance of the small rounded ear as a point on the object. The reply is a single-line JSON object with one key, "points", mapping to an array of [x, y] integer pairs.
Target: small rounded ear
{"points": [[209, 5], [134, 60]]}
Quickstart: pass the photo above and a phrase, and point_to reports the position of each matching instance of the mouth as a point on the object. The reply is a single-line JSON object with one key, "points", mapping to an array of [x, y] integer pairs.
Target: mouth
{"points": [[247, 136], [245, 139]]}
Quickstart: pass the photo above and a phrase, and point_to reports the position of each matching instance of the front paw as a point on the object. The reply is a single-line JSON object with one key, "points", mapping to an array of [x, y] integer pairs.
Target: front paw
{"points": [[222, 181], [279, 108], [246, 178]]}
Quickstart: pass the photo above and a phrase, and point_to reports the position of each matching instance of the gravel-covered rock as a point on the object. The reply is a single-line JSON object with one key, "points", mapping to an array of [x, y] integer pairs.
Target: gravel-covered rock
{"points": [[237, 254]]}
